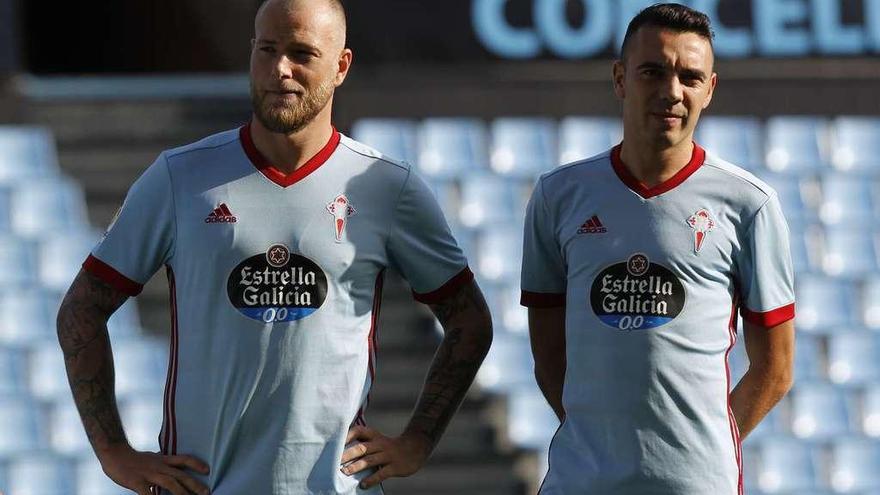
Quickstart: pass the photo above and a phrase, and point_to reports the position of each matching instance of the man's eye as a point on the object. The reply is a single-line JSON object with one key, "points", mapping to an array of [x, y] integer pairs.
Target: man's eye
{"points": [[267, 49]]}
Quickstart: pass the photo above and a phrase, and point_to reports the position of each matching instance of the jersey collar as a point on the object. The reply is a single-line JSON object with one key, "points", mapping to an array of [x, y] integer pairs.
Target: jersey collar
{"points": [[270, 172], [697, 158]]}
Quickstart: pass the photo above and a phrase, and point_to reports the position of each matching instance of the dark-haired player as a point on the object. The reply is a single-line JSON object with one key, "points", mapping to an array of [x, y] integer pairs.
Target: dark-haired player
{"points": [[631, 325]]}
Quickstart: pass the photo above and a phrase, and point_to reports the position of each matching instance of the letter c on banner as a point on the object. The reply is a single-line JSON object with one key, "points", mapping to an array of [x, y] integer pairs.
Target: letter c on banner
{"points": [[498, 36], [568, 42]]}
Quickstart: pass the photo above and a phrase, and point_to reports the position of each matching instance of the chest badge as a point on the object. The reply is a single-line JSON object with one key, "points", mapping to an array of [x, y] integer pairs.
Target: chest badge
{"points": [[702, 223], [341, 209]]}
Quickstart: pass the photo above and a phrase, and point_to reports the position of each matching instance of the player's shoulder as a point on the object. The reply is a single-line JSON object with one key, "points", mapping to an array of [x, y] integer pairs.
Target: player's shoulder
{"points": [[738, 179], [215, 143], [598, 164], [369, 156]]}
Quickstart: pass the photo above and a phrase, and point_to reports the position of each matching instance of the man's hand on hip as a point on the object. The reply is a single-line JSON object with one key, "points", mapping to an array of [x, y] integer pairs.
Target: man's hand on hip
{"points": [[139, 471], [399, 456]]}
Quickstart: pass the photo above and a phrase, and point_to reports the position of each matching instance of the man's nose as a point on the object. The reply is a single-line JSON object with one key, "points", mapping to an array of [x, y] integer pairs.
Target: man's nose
{"points": [[283, 66], [672, 90]]}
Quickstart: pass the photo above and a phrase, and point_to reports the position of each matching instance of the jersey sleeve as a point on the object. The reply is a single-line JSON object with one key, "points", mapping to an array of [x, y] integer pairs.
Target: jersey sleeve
{"points": [[543, 275], [141, 237], [421, 245], [766, 276]]}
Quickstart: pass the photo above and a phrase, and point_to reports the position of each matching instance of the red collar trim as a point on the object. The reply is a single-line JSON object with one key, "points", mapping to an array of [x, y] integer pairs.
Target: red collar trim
{"points": [[697, 158], [270, 172]]}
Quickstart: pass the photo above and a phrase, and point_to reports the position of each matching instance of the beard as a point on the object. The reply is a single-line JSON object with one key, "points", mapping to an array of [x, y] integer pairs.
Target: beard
{"points": [[290, 117]]}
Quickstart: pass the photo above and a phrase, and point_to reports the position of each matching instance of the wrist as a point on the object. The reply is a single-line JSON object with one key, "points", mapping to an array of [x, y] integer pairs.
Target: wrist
{"points": [[112, 450], [419, 440]]}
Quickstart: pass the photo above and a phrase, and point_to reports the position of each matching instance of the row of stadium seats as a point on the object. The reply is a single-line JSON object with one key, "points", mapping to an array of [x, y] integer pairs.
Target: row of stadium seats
{"points": [[449, 148], [44, 237]]}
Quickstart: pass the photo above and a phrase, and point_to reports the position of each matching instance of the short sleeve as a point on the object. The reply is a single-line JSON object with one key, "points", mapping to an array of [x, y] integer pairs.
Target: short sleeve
{"points": [[141, 237], [543, 267], [766, 277], [422, 247]]}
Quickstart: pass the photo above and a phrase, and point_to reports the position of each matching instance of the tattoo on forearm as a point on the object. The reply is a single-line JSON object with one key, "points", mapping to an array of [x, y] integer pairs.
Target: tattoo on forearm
{"points": [[82, 333], [468, 327]]}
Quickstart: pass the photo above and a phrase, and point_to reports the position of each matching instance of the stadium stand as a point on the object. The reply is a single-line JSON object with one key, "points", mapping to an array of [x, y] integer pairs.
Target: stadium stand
{"points": [[823, 438]]}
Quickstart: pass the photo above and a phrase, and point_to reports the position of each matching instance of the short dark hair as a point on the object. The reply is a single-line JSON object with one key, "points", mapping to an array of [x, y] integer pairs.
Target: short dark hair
{"points": [[672, 16]]}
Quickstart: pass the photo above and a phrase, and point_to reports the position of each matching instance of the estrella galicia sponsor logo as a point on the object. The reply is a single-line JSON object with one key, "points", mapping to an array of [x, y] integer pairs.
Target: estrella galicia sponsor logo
{"points": [[277, 286], [637, 294]]}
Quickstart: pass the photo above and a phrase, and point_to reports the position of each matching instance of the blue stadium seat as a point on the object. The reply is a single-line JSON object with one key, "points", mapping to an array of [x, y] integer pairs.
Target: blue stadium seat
{"points": [[870, 302], [808, 358], [856, 144], [854, 465], [42, 208], [509, 364], [26, 153], [853, 358], [66, 432], [22, 425], [849, 252], [804, 259], [531, 422], [847, 200], [508, 314], [796, 144], [584, 137], [142, 419], [821, 411], [499, 254], [824, 303], [61, 257], [141, 366], [450, 147], [27, 316], [48, 376], [18, 262], [489, 200], [787, 465], [794, 197], [870, 411], [395, 138], [738, 140], [13, 371], [41, 474], [91, 480], [523, 147]]}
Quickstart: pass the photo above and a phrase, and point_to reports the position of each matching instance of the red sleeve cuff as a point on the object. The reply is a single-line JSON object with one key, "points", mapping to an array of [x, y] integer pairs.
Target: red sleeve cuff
{"points": [[768, 319], [447, 290], [541, 300], [112, 277]]}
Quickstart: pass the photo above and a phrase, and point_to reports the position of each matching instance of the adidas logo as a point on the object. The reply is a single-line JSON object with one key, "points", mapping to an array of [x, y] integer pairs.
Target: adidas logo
{"points": [[592, 226], [221, 214]]}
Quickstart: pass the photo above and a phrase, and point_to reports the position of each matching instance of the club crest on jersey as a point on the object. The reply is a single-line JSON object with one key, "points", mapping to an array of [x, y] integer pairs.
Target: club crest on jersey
{"points": [[341, 209], [702, 223], [636, 294]]}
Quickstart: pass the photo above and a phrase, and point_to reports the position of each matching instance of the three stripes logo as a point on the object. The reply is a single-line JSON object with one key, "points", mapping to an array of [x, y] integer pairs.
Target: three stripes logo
{"points": [[593, 226], [221, 214]]}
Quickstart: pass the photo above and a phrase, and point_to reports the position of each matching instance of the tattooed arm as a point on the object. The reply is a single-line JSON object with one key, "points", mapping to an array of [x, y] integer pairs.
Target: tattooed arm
{"points": [[82, 333], [467, 326]]}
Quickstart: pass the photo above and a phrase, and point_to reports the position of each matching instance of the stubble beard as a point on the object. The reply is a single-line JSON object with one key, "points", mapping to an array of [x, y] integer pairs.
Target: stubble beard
{"points": [[291, 118]]}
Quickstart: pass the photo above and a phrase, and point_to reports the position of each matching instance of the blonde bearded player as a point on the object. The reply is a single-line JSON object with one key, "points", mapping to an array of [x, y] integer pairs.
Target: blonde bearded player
{"points": [[275, 238]]}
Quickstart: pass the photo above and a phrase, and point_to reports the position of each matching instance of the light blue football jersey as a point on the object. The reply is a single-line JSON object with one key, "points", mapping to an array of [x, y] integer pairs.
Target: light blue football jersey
{"points": [[651, 280], [275, 285]]}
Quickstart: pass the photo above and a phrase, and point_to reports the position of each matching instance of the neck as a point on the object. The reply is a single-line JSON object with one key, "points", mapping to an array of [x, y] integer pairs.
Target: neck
{"points": [[288, 152], [651, 165]]}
